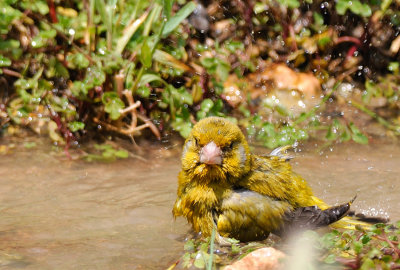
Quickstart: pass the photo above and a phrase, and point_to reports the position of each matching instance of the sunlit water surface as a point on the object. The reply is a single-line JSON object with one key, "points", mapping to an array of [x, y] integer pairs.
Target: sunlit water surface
{"points": [[60, 214]]}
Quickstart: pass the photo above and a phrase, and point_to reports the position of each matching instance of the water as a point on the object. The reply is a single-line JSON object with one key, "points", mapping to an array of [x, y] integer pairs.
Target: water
{"points": [[369, 171], [60, 214]]}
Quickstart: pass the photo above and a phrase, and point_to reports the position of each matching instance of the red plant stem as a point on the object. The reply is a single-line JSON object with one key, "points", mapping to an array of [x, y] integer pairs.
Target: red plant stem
{"points": [[396, 250], [351, 263], [11, 73], [348, 39], [351, 51], [204, 78], [248, 11], [52, 11], [293, 37], [356, 41]]}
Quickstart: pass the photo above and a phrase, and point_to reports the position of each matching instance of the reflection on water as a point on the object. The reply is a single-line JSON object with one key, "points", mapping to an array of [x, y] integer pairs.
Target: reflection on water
{"points": [[58, 214]]}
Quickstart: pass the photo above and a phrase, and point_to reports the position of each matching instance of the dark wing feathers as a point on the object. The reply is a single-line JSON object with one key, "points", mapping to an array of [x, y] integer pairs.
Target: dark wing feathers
{"points": [[312, 217], [249, 216]]}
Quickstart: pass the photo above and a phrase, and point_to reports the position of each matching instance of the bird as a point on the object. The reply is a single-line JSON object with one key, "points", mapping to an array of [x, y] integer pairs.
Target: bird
{"points": [[223, 186]]}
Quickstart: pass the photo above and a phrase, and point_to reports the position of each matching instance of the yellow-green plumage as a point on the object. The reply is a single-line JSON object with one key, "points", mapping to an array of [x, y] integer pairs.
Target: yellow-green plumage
{"points": [[246, 196]]}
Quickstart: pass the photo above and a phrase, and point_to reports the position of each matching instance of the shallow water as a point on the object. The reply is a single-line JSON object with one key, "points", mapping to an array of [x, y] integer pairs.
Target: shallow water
{"points": [[60, 214]]}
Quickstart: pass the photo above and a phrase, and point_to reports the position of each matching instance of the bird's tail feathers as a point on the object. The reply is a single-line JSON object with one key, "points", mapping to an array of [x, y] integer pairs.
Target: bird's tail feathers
{"points": [[348, 219], [353, 221]]}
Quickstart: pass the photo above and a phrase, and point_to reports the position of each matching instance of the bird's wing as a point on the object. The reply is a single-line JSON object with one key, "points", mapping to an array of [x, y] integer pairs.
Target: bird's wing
{"points": [[273, 176], [247, 215], [311, 217]]}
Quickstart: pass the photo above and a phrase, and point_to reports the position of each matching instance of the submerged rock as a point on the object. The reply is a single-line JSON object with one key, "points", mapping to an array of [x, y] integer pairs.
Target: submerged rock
{"points": [[284, 90]]}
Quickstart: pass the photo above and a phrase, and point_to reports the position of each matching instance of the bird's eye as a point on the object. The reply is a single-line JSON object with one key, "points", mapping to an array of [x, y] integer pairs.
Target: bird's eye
{"points": [[196, 142], [229, 146]]}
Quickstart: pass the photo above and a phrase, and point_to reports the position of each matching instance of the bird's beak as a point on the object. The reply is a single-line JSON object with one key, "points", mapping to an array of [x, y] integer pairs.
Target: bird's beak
{"points": [[211, 154]]}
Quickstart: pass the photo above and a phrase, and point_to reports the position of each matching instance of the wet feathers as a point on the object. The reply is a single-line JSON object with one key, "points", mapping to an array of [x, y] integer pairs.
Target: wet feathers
{"points": [[245, 196]]}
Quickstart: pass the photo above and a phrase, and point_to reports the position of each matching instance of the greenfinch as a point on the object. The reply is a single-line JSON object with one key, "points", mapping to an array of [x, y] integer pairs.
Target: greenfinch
{"points": [[243, 195]]}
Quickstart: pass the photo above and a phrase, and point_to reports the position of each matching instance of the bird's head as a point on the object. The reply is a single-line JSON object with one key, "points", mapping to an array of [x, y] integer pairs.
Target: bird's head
{"points": [[216, 150]]}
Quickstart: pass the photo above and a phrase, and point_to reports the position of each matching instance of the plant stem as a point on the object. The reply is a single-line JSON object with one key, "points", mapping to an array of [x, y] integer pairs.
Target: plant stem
{"points": [[380, 120], [210, 259]]}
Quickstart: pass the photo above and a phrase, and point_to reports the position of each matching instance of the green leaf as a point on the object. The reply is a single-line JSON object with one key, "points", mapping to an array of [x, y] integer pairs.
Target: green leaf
{"points": [[201, 114], [37, 42], [102, 146], [345, 136], [121, 154], [365, 239], [76, 125], [318, 19], [332, 133], [368, 264], [233, 46], [143, 91], [41, 7], [385, 4], [189, 245], [174, 21], [357, 135], [235, 249], [128, 32], [206, 105], [180, 96], [9, 44], [146, 54], [113, 104], [330, 259], [148, 78], [342, 6], [169, 60], [291, 3], [182, 122], [4, 61], [78, 60], [167, 4], [216, 66], [355, 7], [48, 33], [102, 9], [29, 145], [357, 246], [79, 89], [7, 16], [327, 241], [393, 67], [360, 9], [95, 76], [200, 261], [54, 132]]}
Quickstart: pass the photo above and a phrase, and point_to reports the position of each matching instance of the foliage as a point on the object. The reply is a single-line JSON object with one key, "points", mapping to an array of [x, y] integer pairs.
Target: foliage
{"points": [[77, 76], [374, 249], [106, 153], [377, 248], [198, 253], [118, 66]]}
